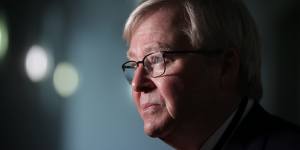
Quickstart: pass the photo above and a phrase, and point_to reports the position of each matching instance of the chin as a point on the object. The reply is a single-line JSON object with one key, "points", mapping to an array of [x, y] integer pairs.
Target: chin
{"points": [[151, 131], [159, 126]]}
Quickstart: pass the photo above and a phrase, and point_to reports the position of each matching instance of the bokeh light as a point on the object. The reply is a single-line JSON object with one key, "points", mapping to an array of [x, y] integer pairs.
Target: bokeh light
{"points": [[65, 79], [37, 63], [3, 36]]}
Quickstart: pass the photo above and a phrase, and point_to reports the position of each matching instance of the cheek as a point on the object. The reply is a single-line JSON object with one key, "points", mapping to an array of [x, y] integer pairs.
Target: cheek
{"points": [[184, 92], [136, 97], [170, 89]]}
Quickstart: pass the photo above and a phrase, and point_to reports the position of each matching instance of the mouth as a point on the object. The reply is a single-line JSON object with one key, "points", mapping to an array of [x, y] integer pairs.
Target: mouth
{"points": [[150, 106]]}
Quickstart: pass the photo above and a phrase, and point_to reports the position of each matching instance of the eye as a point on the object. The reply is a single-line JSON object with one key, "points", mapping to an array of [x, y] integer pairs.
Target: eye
{"points": [[168, 59], [155, 59]]}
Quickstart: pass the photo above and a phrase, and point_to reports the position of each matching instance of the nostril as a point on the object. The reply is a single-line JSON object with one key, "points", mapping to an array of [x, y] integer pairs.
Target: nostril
{"points": [[143, 87], [141, 81]]}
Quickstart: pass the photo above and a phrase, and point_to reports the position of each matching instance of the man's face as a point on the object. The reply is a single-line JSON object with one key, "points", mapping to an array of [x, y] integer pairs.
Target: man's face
{"points": [[186, 92]]}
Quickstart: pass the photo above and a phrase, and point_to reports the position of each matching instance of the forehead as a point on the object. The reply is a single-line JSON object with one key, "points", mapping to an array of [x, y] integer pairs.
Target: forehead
{"points": [[151, 47], [157, 30]]}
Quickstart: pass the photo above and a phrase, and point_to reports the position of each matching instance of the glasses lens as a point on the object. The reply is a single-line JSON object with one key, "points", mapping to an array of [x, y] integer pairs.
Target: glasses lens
{"points": [[154, 64], [129, 69]]}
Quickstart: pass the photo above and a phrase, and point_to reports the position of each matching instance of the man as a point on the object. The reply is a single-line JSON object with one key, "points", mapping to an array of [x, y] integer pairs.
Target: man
{"points": [[194, 69]]}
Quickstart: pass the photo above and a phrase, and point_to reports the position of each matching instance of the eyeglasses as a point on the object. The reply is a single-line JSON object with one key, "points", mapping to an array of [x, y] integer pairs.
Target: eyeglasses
{"points": [[155, 63]]}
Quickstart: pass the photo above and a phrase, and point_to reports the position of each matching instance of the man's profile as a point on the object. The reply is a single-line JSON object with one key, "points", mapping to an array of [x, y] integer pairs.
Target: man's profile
{"points": [[194, 69]]}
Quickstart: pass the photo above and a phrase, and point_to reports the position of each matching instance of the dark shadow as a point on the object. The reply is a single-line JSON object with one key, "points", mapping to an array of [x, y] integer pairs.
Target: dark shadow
{"points": [[288, 65]]}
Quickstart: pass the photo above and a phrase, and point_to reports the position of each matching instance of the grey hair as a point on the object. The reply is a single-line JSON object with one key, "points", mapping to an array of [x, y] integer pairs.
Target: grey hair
{"points": [[214, 24]]}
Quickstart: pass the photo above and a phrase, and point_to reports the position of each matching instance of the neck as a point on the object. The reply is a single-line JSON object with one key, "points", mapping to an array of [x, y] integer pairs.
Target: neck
{"points": [[192, 133], [187, 137]]}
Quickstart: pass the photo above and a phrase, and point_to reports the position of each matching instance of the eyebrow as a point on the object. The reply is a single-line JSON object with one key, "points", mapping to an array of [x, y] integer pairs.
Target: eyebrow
{"points": [[149, 49], [130, 55]]}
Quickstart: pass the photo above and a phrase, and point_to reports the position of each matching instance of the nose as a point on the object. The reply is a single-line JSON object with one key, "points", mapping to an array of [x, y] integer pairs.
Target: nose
{"points": [[142, 82]]}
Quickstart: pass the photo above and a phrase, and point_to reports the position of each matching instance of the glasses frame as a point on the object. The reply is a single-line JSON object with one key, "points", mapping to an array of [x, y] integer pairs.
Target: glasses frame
{"points": [[206, 52]]}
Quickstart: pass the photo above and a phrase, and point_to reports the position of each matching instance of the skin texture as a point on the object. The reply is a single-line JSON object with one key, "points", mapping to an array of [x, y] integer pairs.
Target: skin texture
{"points": [[196, 94]]}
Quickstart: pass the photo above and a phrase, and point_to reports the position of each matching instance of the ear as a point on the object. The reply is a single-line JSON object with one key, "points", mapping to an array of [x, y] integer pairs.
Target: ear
{"points": [[230, 68]]}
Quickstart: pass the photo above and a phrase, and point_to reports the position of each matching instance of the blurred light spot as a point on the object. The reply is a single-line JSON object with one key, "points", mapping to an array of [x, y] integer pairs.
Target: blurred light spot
{"points": [[3, 37], [37, 63], [65, 79]]}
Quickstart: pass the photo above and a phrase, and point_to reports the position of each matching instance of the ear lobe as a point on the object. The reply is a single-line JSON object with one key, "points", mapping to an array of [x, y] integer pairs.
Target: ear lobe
{"points": [[231, 66]]}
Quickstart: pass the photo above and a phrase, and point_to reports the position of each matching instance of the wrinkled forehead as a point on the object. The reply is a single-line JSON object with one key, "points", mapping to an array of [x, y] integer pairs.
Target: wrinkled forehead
{"points": [[147, 49]]}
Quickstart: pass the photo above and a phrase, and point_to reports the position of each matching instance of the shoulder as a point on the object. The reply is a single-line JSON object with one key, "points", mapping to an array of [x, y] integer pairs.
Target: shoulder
{"points": [[281, 134], [262, 131]]}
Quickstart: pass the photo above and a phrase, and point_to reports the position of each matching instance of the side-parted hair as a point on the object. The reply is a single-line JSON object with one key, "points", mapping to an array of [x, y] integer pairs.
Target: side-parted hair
{"points": [[214, 24]]}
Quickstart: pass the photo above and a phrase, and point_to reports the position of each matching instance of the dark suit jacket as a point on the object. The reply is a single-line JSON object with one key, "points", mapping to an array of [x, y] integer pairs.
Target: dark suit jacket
{"points": [[262, 131]]}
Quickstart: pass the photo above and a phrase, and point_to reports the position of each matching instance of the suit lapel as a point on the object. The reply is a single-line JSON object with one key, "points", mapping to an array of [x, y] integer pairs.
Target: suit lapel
{"points": [[252, 132]]}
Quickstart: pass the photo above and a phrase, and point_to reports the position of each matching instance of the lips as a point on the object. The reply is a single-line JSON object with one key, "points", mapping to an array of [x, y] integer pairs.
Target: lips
{"points": [[149, 105], [150, 102]]}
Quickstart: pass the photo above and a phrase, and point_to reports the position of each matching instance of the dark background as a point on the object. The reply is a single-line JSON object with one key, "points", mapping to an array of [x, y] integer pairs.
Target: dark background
{"points": [[100, 114]]}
